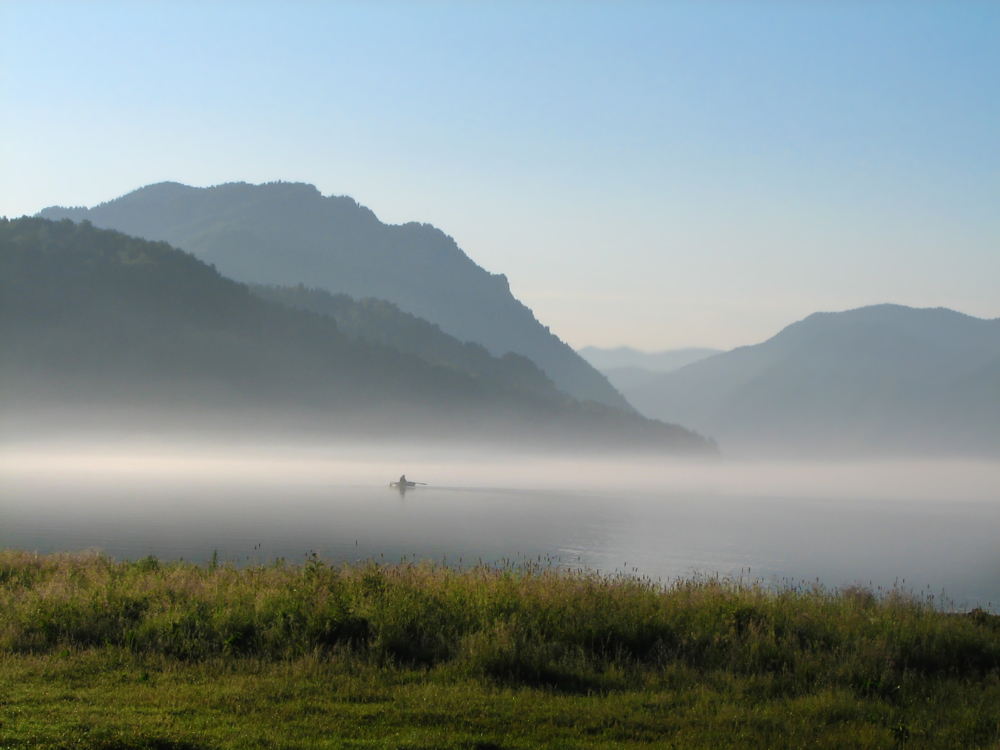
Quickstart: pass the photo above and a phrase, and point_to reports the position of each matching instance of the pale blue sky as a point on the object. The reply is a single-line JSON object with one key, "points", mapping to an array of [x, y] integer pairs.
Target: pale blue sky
{"points": [[652, 174]]}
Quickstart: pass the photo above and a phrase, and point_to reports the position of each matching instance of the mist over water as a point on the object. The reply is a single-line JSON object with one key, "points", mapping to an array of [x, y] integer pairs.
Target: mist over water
{"points": [[927, 525]]}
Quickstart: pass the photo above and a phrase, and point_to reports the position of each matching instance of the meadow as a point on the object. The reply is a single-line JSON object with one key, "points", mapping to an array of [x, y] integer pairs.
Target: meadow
{"points": [[146, 654]]}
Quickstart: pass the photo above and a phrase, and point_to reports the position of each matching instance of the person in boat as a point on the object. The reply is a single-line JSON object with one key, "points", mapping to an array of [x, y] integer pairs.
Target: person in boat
{"points": [[402, 479]]}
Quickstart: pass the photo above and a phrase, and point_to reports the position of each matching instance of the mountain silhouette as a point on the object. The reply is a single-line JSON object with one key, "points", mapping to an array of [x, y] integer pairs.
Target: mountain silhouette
{"points": [[288, 233], [879, 379], [95, 318]]}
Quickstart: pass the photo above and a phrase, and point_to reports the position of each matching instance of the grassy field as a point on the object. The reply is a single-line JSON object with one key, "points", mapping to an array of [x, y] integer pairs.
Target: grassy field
{"points": [[97, 653]]}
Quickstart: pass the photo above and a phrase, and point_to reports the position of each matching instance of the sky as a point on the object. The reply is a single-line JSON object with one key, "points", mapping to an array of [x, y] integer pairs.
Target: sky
{"points": [[657, 175]]}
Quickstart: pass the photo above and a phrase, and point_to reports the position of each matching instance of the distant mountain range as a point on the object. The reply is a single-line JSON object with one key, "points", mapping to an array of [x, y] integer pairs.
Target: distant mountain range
{"points": [[880, 379], [626, 356], [92, 317], [344, 312], [626, 368], [288, 233]]}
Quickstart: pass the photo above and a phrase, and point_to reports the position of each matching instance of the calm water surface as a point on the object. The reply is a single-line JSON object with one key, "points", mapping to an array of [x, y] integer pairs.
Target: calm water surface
{"points": [[929, 526]]}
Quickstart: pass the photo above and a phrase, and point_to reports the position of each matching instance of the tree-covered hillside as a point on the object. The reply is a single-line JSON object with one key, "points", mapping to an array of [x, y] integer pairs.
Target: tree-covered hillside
{"points": [[90, 316], [381, 322]]}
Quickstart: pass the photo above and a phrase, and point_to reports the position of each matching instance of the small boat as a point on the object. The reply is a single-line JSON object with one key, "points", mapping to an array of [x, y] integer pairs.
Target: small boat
{"points": [[403, 483]]}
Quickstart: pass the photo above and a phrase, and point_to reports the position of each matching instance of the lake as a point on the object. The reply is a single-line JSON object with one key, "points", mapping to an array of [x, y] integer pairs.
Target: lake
{"points": [[929, 526]]}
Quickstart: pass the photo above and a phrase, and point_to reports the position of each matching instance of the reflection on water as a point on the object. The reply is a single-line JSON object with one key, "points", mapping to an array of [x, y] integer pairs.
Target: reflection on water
{"points": [[932, 524]]}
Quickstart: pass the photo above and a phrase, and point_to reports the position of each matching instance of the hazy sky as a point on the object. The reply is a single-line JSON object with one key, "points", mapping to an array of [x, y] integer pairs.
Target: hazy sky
{"points": [[653, 174]]}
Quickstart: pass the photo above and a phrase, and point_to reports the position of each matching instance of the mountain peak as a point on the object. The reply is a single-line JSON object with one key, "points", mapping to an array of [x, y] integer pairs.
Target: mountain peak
{"points": [[940, 324]]}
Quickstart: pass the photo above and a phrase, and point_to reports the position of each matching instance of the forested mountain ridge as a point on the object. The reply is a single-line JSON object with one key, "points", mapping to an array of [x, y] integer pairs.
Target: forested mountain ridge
{"points": [[381, 322], [90, 316], [879, 379], [288, 233]]}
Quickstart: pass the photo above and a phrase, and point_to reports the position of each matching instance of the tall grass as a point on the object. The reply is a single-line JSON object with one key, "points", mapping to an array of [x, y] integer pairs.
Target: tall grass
{"points": [[525, 625]]}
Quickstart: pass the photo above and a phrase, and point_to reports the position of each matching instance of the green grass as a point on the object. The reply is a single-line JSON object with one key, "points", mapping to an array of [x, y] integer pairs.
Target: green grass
{"points": [[96, 653]]}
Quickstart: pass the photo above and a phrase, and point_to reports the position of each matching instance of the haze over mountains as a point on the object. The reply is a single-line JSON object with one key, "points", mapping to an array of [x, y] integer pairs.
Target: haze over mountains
{"points": [[625, 367], [288, 233], [95, 318], [876, 380]]}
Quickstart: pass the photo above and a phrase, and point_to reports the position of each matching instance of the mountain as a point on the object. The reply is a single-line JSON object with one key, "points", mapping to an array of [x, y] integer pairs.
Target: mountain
{"points": [[288, 233], [380, 322], [627, 368], [96, 318], [880, 379]]}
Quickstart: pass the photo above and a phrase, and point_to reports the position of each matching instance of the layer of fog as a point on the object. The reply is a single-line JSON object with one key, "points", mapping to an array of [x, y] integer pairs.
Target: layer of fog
{"points": [[309, 462]]}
